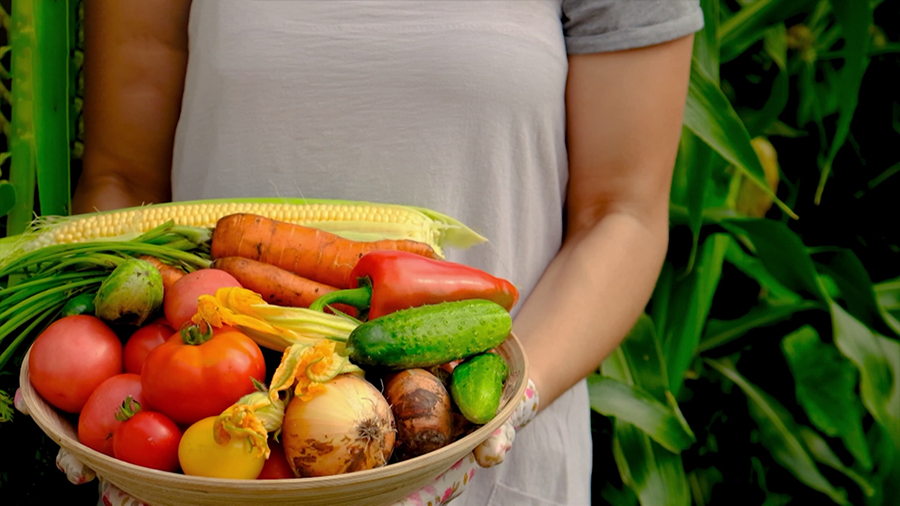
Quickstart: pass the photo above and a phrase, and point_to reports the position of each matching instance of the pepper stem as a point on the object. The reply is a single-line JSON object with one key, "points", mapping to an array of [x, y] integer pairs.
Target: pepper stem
{"points": [[360, 298]]}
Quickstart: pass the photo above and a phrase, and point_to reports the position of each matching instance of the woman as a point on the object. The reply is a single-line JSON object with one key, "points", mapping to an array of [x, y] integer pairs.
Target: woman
{"points": [[549, 126]]}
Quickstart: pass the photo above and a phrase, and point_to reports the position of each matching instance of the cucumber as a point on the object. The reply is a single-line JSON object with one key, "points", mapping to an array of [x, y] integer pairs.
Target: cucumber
{"points": [[476, 385], [429, 335]]}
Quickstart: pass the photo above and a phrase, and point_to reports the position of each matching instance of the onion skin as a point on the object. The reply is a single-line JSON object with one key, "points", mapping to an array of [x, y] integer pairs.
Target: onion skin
{"points": [[348, 427], [422, 411]]}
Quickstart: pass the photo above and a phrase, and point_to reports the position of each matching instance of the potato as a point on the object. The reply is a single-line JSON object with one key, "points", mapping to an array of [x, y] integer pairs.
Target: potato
{"points": [[422, 412]]}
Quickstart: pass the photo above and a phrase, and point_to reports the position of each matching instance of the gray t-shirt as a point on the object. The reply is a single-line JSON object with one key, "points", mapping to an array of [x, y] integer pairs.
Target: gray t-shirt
{"points": [[454, 105]]}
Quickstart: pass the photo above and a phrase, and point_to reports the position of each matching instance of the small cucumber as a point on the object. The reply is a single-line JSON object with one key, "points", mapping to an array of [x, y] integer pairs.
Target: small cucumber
{"points": [[476, 385], [80, 304], [429, 335]]}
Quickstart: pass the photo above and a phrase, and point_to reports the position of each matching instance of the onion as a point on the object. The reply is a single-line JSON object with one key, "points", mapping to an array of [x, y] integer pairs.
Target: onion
{"points": [[346, 427]]}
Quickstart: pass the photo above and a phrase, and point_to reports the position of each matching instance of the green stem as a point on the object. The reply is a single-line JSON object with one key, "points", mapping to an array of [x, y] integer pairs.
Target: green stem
{"points": [[195, 335], [360, 298], [33, 301], [26, 332]]}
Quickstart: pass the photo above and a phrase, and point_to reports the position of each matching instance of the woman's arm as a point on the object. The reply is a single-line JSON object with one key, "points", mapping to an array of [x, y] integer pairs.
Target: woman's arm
{"points": [[624, 121], [135, 58]]}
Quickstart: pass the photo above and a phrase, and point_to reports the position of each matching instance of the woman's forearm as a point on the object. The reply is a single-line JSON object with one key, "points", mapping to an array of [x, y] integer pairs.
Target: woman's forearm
{"points": [[624, 115], [589, 298], [135, 59]]}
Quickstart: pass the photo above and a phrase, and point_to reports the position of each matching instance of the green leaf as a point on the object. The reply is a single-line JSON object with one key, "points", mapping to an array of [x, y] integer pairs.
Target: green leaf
{"points": [[771, 289], [782, 253], [7, 197], [877, 375], [775, 47], [825, 386], [721, 332], [709, 114], [633, 404], [695, 161], [618, 497], [702, 482], [886, 455], [857, 291], [820, 451], [690, 303], [854, 18], [655, 474], [746, 27], [706, 42], [777, 431]]}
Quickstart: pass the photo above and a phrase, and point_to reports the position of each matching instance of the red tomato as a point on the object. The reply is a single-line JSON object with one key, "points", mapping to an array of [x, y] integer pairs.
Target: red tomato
{"points": [[148, 439], [189, 382], [71, 358], [142, 341], [180, 300], [276, 466], [97, 421]]}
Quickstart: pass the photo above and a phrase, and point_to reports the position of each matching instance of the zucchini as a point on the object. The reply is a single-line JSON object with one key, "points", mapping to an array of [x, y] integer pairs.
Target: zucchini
{"points": [[429, 335], [476, 386]]}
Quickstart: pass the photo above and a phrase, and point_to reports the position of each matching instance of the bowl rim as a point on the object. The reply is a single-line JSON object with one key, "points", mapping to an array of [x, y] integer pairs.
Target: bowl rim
{"points": [[66, 440]]}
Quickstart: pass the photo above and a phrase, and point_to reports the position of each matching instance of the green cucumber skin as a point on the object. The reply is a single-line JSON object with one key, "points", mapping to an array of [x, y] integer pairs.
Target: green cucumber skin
{"points": [[429, 335], [476, 386]]}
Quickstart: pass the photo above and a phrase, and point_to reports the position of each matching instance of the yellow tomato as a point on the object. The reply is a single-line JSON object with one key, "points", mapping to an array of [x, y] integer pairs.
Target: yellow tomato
{"points": [[200, 455]]}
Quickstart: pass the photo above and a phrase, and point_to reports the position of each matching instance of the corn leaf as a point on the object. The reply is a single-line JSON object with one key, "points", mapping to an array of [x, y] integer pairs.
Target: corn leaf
{"points": [[886, 477], [653, 473], [856, 289], [709, 114], [721, 332], [743, 29], [821, 452], [782, 253], [775, 47], [633, 404], [7, 197], [689, 307], [771, 289], [825, 386], [779, 434], [695, 161], [877, 374], [854, 18], [706, 42]]}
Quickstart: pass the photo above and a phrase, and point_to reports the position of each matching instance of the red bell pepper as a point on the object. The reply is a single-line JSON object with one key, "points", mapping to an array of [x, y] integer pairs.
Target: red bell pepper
{"points": [[387, 281]]}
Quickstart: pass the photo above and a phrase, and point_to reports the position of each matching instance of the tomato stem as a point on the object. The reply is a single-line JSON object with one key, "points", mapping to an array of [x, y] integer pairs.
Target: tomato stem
{"points": [[196, 334]]}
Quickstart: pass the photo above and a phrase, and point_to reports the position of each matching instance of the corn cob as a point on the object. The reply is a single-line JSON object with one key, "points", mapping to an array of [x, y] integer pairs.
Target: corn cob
{"points": [[355, 220]]}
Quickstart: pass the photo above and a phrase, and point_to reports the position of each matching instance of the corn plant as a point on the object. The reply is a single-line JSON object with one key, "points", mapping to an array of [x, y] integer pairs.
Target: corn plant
{"points": [[766, 367]]}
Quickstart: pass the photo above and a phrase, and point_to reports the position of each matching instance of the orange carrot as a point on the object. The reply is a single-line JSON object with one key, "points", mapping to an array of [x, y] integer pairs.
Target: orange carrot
{"points": [[276, 285], [170, 274], [308, 252]]}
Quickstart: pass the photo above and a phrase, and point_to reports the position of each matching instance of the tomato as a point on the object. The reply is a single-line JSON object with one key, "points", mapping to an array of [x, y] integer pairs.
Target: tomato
{"points": [[180, 300], [71, 357], [276, 466], [200, 455], [187, 382], [97, 421], [142, 341], [148, 439]]}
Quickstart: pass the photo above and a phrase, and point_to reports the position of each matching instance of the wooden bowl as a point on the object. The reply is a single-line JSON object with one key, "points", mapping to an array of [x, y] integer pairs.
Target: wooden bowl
{"points": [[383, 485]]}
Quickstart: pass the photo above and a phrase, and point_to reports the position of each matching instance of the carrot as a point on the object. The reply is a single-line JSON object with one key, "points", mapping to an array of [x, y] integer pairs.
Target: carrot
{"points": [[170, 274], [308, 252], [276, 285]]}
